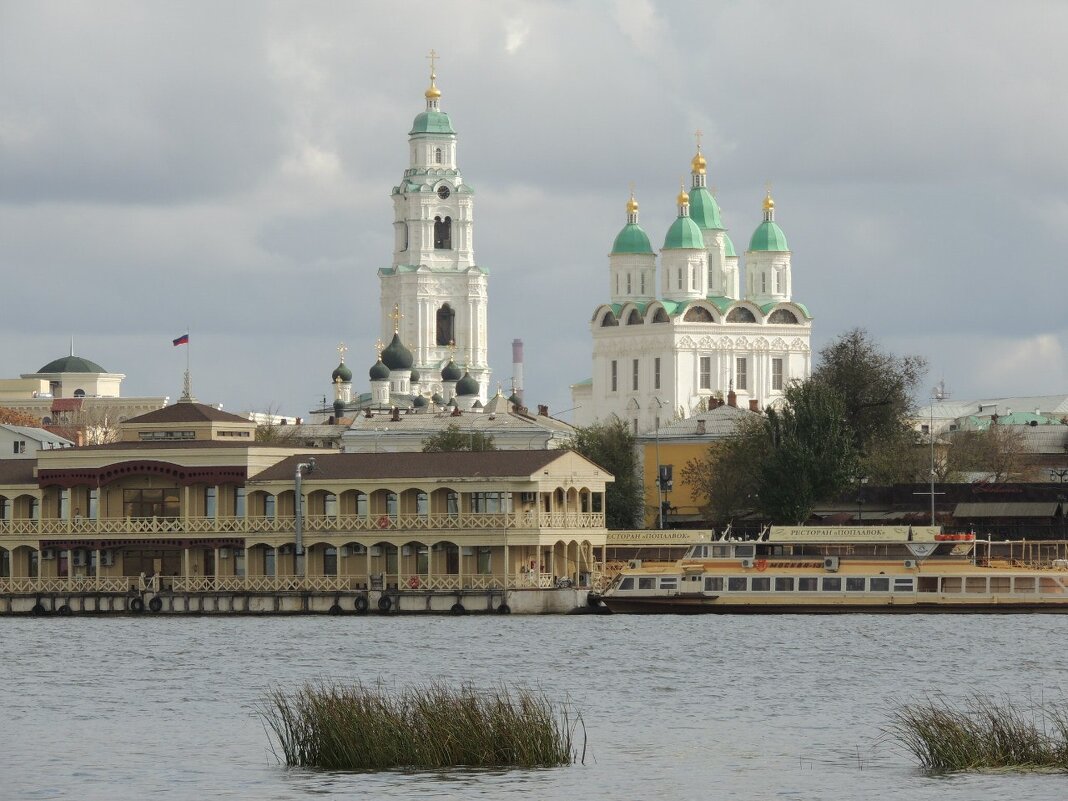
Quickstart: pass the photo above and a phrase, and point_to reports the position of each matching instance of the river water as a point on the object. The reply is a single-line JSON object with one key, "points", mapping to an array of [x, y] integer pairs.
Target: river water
{"points": [[788, 707]]}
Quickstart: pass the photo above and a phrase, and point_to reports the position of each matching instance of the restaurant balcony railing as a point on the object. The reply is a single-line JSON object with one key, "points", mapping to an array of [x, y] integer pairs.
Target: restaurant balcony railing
{"points": [[389, 582], [342, 524]]}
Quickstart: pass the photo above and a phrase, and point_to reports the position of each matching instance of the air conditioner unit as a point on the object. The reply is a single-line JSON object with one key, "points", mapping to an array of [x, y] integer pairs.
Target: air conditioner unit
{"points": [[748, 562], [406, 550], [346, 551], [48, 553], [79, 559], [467, 551], [107, 558], [910, 563], [224, 553], [376, 550], [830, 564], [634, 564]]}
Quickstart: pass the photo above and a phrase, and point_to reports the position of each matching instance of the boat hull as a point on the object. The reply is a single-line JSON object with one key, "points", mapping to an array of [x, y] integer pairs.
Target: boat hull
{"points": [[710, 606]]}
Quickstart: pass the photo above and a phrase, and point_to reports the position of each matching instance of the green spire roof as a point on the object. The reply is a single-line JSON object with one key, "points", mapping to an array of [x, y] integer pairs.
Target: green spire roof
{"points": [[684, 233], [728, 248], [632, 239], [704, 210], [432, 122], [768, 236]]}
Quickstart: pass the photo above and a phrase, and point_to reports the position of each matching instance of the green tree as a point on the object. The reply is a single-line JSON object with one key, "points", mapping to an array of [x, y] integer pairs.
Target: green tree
{"points": [[612, 446], [724, 480], [998, 451], [453, 438], [811, 456], [876, 388]]}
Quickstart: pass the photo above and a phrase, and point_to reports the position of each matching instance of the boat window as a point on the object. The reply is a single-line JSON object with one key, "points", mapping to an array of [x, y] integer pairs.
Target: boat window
{"points": [[1023, 584], [999, 584], [784, 584], [627, 583], [721, 552], [700, 551], [832, 584], [854, 584], [880, 584], [807, 584], [1048, 584], [975, 584], [902, 585], [744, 551], [761, 583], [646, 583], [928, 584], [736, 584], [713, 583], [670, 583], [951, 584]]}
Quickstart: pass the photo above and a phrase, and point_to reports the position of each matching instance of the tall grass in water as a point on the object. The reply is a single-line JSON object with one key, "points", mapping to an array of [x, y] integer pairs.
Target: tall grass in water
{"points": [[982, 734], [353, 727]]}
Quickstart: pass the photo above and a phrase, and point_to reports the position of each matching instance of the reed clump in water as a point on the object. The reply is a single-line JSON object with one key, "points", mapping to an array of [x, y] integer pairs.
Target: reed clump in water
{"points": [[982, 734], [354, 727]]}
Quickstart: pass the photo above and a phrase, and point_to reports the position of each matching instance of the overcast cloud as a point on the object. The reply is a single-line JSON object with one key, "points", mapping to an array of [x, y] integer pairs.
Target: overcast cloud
{"points": [[227, 166]]}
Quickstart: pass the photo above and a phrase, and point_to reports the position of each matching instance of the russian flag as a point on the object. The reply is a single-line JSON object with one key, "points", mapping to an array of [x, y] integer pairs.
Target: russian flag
{"points": [[182, 340]]}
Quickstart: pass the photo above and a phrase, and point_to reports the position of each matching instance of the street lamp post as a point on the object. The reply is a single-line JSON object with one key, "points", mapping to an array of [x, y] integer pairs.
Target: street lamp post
{"points": [[298, 510], [659, 481]]}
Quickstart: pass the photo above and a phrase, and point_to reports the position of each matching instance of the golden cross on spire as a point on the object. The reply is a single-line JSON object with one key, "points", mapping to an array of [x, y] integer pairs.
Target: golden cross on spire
{"points": [[396, 317], [342, 350], [433, 56], [698, 134]]}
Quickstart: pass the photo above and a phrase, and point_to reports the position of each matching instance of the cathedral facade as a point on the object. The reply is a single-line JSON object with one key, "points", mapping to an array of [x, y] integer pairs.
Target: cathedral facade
{"points": [[692, 331]]}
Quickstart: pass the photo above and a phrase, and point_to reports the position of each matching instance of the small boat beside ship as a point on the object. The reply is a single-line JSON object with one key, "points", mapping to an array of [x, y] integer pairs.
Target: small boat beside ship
{"points": [[812, 570]]}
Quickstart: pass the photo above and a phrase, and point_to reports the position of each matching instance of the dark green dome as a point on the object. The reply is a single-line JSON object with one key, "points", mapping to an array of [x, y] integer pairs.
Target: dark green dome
{"points": [[419, 402], [467, 386], [438, 400], [339, 408], [396, 356], [342, 372], [450, 372], [415, 379], [72, 364], [379, 372]]}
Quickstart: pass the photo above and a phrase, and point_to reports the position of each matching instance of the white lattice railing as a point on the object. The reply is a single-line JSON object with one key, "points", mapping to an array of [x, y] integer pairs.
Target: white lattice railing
{"points": [[344, 524], [23, 586]]}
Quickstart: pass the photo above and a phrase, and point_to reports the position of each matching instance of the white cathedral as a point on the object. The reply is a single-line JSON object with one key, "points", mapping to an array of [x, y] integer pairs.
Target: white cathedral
{"points": [[699, 341], [433, 297]]}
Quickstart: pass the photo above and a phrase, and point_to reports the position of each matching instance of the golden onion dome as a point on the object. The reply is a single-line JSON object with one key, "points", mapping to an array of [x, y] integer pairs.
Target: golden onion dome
{"points": [[632, 205], [698, 164], [433, 93], [769, 204], [683, 198]]}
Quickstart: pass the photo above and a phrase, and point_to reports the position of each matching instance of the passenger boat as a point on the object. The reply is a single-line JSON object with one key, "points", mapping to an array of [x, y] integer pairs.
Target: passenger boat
{"points": [[805, 570]]}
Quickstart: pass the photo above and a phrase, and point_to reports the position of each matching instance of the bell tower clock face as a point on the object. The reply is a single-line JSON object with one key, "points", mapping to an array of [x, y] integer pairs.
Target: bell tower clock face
{"points": [[443, 192]]}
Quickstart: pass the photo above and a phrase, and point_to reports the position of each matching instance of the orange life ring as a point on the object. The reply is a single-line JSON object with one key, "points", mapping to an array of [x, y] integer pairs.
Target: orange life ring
{"points": [[413, 582], [383, 521], [761, 565]]}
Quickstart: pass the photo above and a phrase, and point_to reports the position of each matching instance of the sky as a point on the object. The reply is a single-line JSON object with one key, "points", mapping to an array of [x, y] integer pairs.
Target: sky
{"points": [[226, 168]]}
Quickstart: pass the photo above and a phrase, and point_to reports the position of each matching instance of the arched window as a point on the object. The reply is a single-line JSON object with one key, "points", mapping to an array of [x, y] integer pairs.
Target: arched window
{"points": [[698, 314], [634, 318], [79, 393], [741, 315], [446, 325], [660, 316], [609, 320], [404, 236], [437, 155], [642, 274], [783, 316], [443, 233]]}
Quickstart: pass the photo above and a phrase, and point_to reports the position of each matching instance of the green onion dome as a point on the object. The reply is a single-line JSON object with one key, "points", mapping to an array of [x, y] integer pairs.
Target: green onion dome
{"points": [[379, 372], [419, 402], [342, 372], [396, 356], [768, 236], [437, 399], [684, 233], [339, 409], [704, 210], [728, 248], [415, 379], [467, 386], [632, 239], [450, 372]]}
